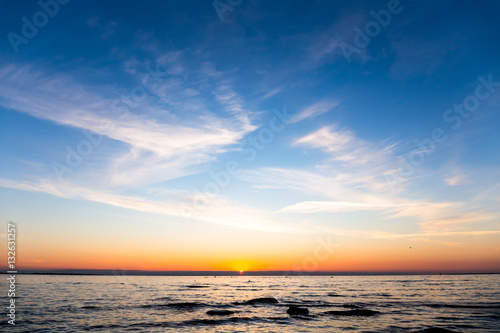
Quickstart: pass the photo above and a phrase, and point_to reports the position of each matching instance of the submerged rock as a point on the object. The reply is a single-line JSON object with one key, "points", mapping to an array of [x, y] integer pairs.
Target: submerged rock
{"points": [[183, 305], [361, 312], [263, 300], [219, 312], [295, 310]]}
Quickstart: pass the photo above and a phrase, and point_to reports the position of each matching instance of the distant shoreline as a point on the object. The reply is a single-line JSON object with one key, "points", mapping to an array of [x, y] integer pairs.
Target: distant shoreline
{"points": [[230, 273]]}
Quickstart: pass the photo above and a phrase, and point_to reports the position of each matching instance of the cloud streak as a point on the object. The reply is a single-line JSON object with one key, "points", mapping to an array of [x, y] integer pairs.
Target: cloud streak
{"points": [[314, 111], [220, 211], [352, 180], [161, 146]]}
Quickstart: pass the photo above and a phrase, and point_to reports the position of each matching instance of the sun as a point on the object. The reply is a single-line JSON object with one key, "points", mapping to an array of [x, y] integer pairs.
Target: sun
{"points": [[241, 271]]}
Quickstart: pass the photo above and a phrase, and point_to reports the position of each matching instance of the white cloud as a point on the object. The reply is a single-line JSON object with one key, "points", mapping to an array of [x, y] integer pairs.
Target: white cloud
{"points": [[377, 234], [452, 220], [456, 180], [332, 207], [161, 145], [314, 110], [216, 211], [273, 92], [344, 146], [353, 179], [328, 139]]}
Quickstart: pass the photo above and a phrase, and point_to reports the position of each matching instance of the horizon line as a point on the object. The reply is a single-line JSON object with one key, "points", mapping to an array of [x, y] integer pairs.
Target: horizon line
{"points": [[130, 272]]}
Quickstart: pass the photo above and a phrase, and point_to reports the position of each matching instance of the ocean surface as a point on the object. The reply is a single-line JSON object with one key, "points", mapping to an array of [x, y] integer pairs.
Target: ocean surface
{"points": [[437, 303]]}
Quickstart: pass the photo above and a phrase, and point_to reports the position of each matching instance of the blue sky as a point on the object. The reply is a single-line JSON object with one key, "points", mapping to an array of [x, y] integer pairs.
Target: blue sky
{"points": [[153, 99]]}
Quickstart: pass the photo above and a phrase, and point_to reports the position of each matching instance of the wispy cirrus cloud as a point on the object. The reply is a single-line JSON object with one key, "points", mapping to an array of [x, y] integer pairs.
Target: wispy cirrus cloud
{"points": [[455, 180], [309, 182], [272, 93], [343, 197], [332, 207], [342, 145], [352, 179], [354, 161], [438, 217], [377, 234], [172, 203], [453, 219], [162, 144], [314, 110]]}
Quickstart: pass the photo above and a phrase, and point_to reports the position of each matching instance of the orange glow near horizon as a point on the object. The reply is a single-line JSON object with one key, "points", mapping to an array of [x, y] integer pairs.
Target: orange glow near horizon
{"points": [[354, 262], [353, 255]]}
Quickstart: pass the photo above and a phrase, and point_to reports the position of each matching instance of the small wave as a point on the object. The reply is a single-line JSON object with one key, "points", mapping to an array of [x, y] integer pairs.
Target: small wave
{"points": [[247, 289], [376, 295], [436, 330], [165, 298], [312, 304], [66, 308], [211, 322], [185, 305], [180, 305], [187, 323], [463, 306], [352, 305]]}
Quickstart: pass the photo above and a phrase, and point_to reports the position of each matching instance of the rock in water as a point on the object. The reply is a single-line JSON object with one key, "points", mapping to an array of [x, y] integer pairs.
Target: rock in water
{"points": [[295, 310], [219, 312], [184, 305], [361, 312], [263, 300]]}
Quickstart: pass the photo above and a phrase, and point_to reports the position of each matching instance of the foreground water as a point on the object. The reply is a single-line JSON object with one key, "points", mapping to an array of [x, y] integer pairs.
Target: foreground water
{"points": [[459, 303]]}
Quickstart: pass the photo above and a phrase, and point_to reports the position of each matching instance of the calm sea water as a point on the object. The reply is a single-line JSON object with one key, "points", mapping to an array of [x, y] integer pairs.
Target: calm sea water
{"points": [[463, 303]]}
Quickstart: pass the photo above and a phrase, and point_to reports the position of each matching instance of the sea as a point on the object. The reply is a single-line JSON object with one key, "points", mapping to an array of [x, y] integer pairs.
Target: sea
{"points": [[117, 303]]}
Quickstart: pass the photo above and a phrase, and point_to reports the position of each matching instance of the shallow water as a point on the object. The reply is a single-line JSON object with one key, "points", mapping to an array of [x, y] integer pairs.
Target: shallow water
{"points": [[49, 303]]}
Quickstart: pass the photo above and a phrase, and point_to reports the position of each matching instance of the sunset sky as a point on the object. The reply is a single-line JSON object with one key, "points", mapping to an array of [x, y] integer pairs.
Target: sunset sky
{"points": [[268, 135]]}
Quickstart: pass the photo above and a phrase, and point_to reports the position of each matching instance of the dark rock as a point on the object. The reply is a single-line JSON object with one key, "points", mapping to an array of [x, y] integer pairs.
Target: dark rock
{"points": [[263, 300], [197, 286], [295, 310], [362, 312], [219, 312]]}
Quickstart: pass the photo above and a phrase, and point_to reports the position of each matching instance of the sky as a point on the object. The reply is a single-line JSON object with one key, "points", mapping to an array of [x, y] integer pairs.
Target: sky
{"points": [[340, 136]]}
